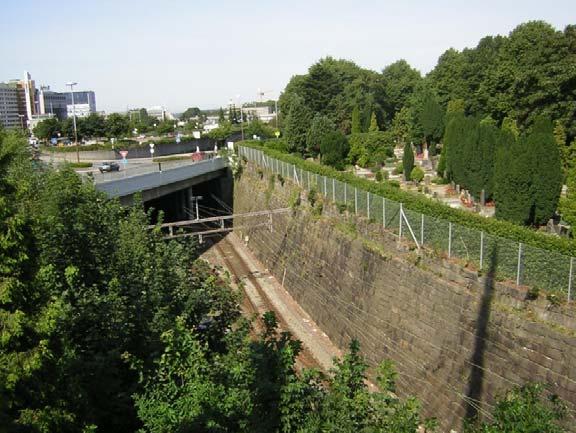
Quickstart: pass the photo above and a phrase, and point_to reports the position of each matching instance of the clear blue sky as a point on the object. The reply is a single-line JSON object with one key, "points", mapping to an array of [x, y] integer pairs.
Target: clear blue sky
{"points": [[202, 53]]}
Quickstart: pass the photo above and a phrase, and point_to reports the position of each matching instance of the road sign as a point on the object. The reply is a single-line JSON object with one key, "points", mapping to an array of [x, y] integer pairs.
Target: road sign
{"points": [[123, 153], [152, 150], [277, 133]]}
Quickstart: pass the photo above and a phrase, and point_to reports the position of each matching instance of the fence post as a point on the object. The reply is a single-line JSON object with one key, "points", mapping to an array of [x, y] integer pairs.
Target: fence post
{"points": [[325, 189], [368, 204], [449, 240], [383, 212], [355, 201], [400, 223], [345, 198], [481, 250], [422, 230], [570, 279], [333, 190], [518, 269]]}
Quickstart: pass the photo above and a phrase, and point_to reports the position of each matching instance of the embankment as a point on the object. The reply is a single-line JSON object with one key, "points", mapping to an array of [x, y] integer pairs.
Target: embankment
{"points": [[458, 339]]}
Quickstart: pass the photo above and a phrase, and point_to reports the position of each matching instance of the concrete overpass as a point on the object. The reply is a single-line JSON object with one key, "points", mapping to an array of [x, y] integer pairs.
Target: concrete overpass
{"points": [[153, 180]]}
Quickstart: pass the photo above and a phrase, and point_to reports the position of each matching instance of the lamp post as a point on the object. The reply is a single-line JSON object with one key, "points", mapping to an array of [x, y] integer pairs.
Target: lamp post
{"points": [[71, 85], [241, 117]]}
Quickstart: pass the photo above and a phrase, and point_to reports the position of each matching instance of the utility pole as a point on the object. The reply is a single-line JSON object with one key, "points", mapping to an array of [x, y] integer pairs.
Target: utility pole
{"points": [[72, 84]]}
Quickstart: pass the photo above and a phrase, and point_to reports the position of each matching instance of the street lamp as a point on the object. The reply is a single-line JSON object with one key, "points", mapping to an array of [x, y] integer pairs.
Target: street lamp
{"points": [[241, 117], [71, 85]]}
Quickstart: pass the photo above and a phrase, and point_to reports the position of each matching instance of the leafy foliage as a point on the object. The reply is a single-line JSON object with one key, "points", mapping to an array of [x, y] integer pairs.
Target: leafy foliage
{"points": [[320, 127], [334, 148]]}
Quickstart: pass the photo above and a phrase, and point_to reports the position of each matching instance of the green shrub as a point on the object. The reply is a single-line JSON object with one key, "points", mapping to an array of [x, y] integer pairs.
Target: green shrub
{"points": [[399, 169], [417, 174], [80, 164]]}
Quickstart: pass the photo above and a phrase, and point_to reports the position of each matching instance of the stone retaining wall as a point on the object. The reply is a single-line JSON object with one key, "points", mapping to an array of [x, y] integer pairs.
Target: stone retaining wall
{"points": [[455, 336]]}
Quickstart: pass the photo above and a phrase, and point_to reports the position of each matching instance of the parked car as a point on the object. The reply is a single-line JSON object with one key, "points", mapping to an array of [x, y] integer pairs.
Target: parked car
{"points": [[108, 166]]}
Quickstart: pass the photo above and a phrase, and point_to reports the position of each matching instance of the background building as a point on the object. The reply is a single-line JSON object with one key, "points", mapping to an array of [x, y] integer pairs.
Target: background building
{"points": [[10, 114], [160, 113], [50, 102], [84, 103]]}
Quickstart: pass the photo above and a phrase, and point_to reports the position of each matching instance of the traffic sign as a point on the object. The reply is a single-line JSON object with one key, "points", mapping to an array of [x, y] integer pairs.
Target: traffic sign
{"points": [[123, 153], [277, 133]]}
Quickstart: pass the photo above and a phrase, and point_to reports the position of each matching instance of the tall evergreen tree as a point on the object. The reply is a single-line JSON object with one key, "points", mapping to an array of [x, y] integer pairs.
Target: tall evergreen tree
{"points": [[513, 179], [546, 170], [408, 160], [356, 121], [296, 125], [373, 123]]}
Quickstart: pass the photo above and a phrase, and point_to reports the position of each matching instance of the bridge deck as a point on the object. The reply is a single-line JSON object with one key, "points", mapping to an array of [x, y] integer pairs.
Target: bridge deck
{"points": [[128, 182]]}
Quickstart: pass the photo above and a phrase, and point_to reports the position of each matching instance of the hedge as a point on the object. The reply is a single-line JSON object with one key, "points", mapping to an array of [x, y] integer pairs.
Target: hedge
{"points": [[432, 208]]}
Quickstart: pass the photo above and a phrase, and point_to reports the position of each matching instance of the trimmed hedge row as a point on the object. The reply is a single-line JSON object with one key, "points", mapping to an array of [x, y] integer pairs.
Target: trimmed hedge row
{"points": [[436, 209]]}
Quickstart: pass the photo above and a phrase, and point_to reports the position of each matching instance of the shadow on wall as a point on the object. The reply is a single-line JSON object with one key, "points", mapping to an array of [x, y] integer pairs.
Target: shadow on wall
{"points": [[476, 379]]}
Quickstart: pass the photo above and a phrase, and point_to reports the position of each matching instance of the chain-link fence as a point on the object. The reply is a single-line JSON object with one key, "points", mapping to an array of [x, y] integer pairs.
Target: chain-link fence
{"points": [[507, 259]]}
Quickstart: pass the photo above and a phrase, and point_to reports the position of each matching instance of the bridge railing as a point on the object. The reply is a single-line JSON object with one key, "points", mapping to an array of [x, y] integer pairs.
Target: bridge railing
{"points": [[507, 259], [136, 169]]}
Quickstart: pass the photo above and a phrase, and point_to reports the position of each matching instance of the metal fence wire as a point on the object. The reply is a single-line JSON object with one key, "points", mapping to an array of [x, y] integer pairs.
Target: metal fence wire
{"points": [[507, 259]]}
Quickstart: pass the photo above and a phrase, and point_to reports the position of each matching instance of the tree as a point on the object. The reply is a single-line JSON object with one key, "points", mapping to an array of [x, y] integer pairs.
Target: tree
{"points": [[166, 127], [297, 124], [334, 148], [117, 125], [373, 124], [191, 112], [402, 126], [47, 129], [399, 81], [513, 178], [321, 126], [356, 121], [94, 125], [408, 160], [428, 116], [260, 129], [546, 170], [448, 77]]}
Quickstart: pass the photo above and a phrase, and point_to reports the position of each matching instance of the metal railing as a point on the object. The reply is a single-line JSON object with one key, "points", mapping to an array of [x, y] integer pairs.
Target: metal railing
{"points": [[506, 258]]}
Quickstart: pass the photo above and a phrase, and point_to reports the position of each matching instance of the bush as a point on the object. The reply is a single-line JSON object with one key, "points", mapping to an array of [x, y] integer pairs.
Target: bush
{"points": [[334, 148], [417, 174], [80, 164], [370, 148], [399, 169]]}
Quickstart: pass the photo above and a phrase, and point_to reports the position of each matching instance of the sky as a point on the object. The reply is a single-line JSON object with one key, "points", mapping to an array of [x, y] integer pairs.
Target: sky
{"points": [[186, 53]]}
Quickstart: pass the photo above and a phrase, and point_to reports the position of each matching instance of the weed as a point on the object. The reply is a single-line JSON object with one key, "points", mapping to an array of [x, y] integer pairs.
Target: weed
{"points": [[533, 293]]}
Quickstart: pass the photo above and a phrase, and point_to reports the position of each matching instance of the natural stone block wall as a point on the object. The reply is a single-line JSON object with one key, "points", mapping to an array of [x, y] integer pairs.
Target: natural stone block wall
{"points": [[455, 337]]}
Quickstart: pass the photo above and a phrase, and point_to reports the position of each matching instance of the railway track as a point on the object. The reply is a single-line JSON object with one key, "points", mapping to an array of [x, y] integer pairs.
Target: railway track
{"points": [[256, 301]]}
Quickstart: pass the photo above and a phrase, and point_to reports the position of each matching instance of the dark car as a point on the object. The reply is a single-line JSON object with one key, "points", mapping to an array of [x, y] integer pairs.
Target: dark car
{"points": [[108, 166]]}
